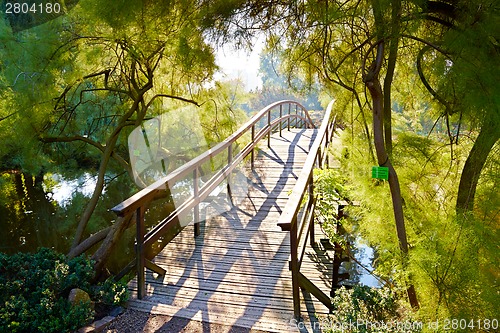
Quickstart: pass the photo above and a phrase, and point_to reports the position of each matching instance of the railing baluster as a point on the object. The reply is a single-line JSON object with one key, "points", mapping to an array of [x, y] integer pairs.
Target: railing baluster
{"points": [[269, 127], [229, 161], [294, 267], [296, 114], [311, 198], [327, 162], [252, 157], [288, 121], [320, 158], [281, 115], [141, 260], [196, 212]]}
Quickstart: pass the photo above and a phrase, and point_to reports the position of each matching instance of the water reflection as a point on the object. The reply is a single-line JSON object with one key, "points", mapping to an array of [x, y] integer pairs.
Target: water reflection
{"points": [[27, 214], [43, 211], [62, 190], [359, 265]]}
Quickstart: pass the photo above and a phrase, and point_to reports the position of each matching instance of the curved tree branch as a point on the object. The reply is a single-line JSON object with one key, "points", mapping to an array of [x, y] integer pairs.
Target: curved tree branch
{"points": [[172, 97], [424, 79]]}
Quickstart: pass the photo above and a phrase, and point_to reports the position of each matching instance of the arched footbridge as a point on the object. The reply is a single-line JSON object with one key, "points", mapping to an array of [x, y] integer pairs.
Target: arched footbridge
{"points": [[241, 248]]}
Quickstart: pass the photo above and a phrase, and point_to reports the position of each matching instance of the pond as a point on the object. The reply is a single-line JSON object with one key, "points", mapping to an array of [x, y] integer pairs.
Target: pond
{"points": [[363, 266], [43, 211]]}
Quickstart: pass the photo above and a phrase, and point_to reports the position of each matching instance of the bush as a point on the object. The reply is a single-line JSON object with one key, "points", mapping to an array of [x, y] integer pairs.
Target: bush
{"points": [[34, 291], [366, 309]]}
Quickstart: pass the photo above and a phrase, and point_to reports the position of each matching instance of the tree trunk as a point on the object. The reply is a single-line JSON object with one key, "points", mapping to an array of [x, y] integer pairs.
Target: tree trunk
{"points": [[89, 209], [106, 156], [391, 66], [373, 84], [89, 242], [112, 238], [488, 136]]}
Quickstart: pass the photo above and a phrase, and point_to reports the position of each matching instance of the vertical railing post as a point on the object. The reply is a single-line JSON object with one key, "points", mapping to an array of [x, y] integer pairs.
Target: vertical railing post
{"points": [[289, 109], [196, 212], [327, 160], [311, 197], [281, 115], [141, 260], [269, 127], [294, 267], [252, 156], [229, 161], [296, 116]]}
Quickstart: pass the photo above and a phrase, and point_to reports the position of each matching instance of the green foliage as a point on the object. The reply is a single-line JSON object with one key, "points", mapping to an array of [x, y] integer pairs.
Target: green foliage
{"points": [[110, 293], [34, 289], [364, 309], [330, 186], [278, 85], [453, 260]]}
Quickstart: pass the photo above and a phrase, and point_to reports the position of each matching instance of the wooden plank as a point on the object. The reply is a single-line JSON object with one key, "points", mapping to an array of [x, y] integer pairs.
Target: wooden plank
{"points": [[178, 273], [183, 297], [267, 321], [237, 269]]}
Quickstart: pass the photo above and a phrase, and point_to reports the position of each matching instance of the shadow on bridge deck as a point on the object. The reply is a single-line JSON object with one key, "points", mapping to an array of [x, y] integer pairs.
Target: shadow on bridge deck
{"points": [[236, 271]]}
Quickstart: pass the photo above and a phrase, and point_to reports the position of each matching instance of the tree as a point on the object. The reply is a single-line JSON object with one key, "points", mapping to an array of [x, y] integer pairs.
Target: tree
{"points": [[81, 82], [447, 49]]}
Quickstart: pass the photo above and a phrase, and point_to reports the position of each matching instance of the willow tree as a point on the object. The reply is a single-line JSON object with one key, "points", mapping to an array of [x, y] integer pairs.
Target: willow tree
{"points": [[364, 51], [77, 85]]}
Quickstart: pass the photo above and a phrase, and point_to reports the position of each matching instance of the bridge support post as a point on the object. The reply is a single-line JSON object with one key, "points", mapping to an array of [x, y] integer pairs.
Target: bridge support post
{"points": [[141, 260], [294, 267]]}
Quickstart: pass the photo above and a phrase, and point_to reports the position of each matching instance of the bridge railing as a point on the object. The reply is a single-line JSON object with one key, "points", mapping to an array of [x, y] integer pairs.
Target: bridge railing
{"points": [[273, 118], [298, 218]]}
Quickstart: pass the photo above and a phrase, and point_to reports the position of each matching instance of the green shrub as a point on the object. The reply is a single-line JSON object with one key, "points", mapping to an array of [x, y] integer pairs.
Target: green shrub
{"points": [[34, 291], [110, 293], [366, 309]]}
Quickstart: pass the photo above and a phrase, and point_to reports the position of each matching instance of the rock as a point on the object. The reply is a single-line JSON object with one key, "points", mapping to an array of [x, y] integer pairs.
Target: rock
{"points": [[77, 296], [116, 311], [97, 326]]}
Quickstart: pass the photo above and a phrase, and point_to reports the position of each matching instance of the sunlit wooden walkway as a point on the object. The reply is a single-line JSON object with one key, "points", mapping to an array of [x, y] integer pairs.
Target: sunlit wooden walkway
{"points": [[236, 272]]}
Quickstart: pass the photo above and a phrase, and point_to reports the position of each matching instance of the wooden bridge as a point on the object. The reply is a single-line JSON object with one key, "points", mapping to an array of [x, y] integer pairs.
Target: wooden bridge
{"points": [[254, 260]]}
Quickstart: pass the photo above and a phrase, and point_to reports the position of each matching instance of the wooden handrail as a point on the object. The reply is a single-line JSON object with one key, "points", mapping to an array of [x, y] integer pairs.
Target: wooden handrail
{"points": [[301, 230], [149, 193], [138, 202]]}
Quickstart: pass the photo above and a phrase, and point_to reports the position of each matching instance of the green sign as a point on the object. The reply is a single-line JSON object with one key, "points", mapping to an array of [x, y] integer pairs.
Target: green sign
{"points": [[380, 172]]}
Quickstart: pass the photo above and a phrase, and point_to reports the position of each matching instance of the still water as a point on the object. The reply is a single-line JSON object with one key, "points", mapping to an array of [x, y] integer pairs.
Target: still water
{"points": [[42, 211]]}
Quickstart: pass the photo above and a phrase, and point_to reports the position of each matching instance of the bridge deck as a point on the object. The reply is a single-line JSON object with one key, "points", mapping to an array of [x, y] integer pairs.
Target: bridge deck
{"points": [[236, 271]]}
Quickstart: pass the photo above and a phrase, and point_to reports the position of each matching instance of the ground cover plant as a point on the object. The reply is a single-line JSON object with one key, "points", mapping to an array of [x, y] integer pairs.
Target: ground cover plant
{"points": [[34, 289]]}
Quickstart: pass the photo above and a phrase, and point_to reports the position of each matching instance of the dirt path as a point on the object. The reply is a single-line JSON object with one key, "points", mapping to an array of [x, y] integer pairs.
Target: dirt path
{"points": [[134, 321]]}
